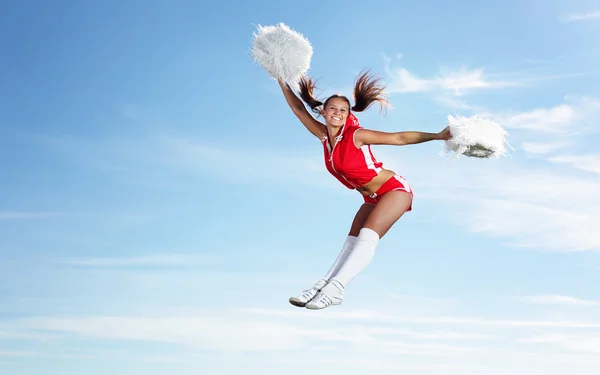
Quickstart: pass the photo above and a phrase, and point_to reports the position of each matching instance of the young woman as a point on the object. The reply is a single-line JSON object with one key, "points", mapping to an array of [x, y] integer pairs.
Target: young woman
{"points": [[348, 157]]}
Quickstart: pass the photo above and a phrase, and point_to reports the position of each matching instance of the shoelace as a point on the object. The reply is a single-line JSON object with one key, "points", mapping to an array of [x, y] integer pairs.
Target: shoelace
{"points": [[308, 294]]}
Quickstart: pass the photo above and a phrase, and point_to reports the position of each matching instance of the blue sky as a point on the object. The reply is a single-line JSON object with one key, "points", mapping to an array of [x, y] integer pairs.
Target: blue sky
{"points": [[159, 202]]}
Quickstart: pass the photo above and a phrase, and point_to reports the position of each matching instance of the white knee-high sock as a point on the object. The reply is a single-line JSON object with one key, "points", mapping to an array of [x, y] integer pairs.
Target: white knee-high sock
{"points": [[359, 258], [346, 249]]}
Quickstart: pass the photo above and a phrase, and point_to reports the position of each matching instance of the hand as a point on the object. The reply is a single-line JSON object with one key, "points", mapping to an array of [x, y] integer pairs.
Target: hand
{"points": [[445, 135]]}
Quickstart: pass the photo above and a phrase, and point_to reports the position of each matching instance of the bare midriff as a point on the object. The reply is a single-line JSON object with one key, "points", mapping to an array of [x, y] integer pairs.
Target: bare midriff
{"points": [[372, 186]]}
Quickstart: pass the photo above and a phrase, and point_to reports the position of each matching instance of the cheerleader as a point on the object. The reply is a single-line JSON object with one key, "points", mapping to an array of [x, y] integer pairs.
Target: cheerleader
{"points": [[348, 157]]}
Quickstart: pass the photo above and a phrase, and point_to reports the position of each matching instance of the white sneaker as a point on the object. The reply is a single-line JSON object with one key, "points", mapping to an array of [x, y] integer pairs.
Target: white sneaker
{"points": [[308, 294], [332, 294]]}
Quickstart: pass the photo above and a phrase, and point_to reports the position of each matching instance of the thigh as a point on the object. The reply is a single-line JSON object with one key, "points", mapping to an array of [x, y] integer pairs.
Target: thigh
{"points": [[387, 211], [360, 218]]}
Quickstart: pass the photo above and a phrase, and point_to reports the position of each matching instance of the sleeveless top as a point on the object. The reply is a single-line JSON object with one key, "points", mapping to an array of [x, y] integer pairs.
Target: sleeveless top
{"points": [[351, 165]]}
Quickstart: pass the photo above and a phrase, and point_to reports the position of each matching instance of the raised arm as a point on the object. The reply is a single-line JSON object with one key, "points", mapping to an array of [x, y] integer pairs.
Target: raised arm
{"points": [[374, 137], [299, 109]]}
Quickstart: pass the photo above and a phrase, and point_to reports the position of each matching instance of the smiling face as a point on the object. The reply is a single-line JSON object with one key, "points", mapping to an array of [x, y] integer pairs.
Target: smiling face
{"points": [[335, 111]]}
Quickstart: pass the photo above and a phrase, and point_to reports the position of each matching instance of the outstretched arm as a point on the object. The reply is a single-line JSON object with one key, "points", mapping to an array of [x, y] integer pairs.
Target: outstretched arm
{"points": [[313, 126], [373, 137]]}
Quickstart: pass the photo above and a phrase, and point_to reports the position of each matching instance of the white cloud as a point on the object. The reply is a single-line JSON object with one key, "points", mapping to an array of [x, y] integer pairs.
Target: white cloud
{"points": [[14, 215], [543, 148], [423, 303], [356, 363], [140, 159], [15, 353], [365, 336], [576, 116], [582, 16], [378, 317], [560, 209], [251, 165], [455, 103], [463, 80], [404, 81], [12, 335], [169, 259], [204, 332], [125, 218], [558, 300], [574, 231], [457, 82], [581, 342], [264, 330], [557, 119], [589, 163], [220, 331]]}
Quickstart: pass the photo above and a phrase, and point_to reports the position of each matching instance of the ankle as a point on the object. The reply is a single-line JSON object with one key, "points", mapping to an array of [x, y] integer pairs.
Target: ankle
{"points": [[337, 284], [321, 283]]}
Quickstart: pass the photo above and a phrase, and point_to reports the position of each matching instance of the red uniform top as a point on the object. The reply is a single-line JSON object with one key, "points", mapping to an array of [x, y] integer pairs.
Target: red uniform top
{"points": [[351, 165]]}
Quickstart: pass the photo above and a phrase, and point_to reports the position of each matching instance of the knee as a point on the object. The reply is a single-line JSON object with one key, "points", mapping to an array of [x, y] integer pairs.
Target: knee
{"points": [[368, 237], [376, 228]]}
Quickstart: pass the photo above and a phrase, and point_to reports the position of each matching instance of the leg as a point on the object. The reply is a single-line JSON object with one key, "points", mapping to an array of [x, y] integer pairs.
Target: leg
{"points": [[386, 212], [359, 220]]}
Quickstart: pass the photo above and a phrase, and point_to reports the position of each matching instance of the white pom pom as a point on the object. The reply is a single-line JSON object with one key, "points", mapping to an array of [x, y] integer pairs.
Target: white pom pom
{"points": [[284, 53], [476, 137]]}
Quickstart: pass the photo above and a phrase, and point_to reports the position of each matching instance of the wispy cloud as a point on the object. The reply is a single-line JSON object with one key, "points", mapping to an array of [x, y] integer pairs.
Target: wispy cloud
{"points": [[169, 259], [379, 334], [589, 162], [580, 342], [281, 330], [448, 83], [556, 119], [449, 86], [464, 79], [503, 218], [390, 317], [404, 81], [592, 15], [451, 101], [576, 116], [534, 194], [496, 200], [22, 336], [205, 332], [424, 303], [15, 353], [539, 148], [122, 218], [15, 215], [150, 156], [558, 300], [252, 165], [457, 82]]}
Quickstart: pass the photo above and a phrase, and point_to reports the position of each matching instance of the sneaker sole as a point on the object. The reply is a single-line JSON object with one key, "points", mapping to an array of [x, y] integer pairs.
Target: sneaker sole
{"points": [[312, 307], [297, 303]]}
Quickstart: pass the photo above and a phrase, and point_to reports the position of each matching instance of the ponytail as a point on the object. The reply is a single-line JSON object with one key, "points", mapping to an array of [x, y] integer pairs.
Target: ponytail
{"points": [[307, 86], [367, 91]]}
